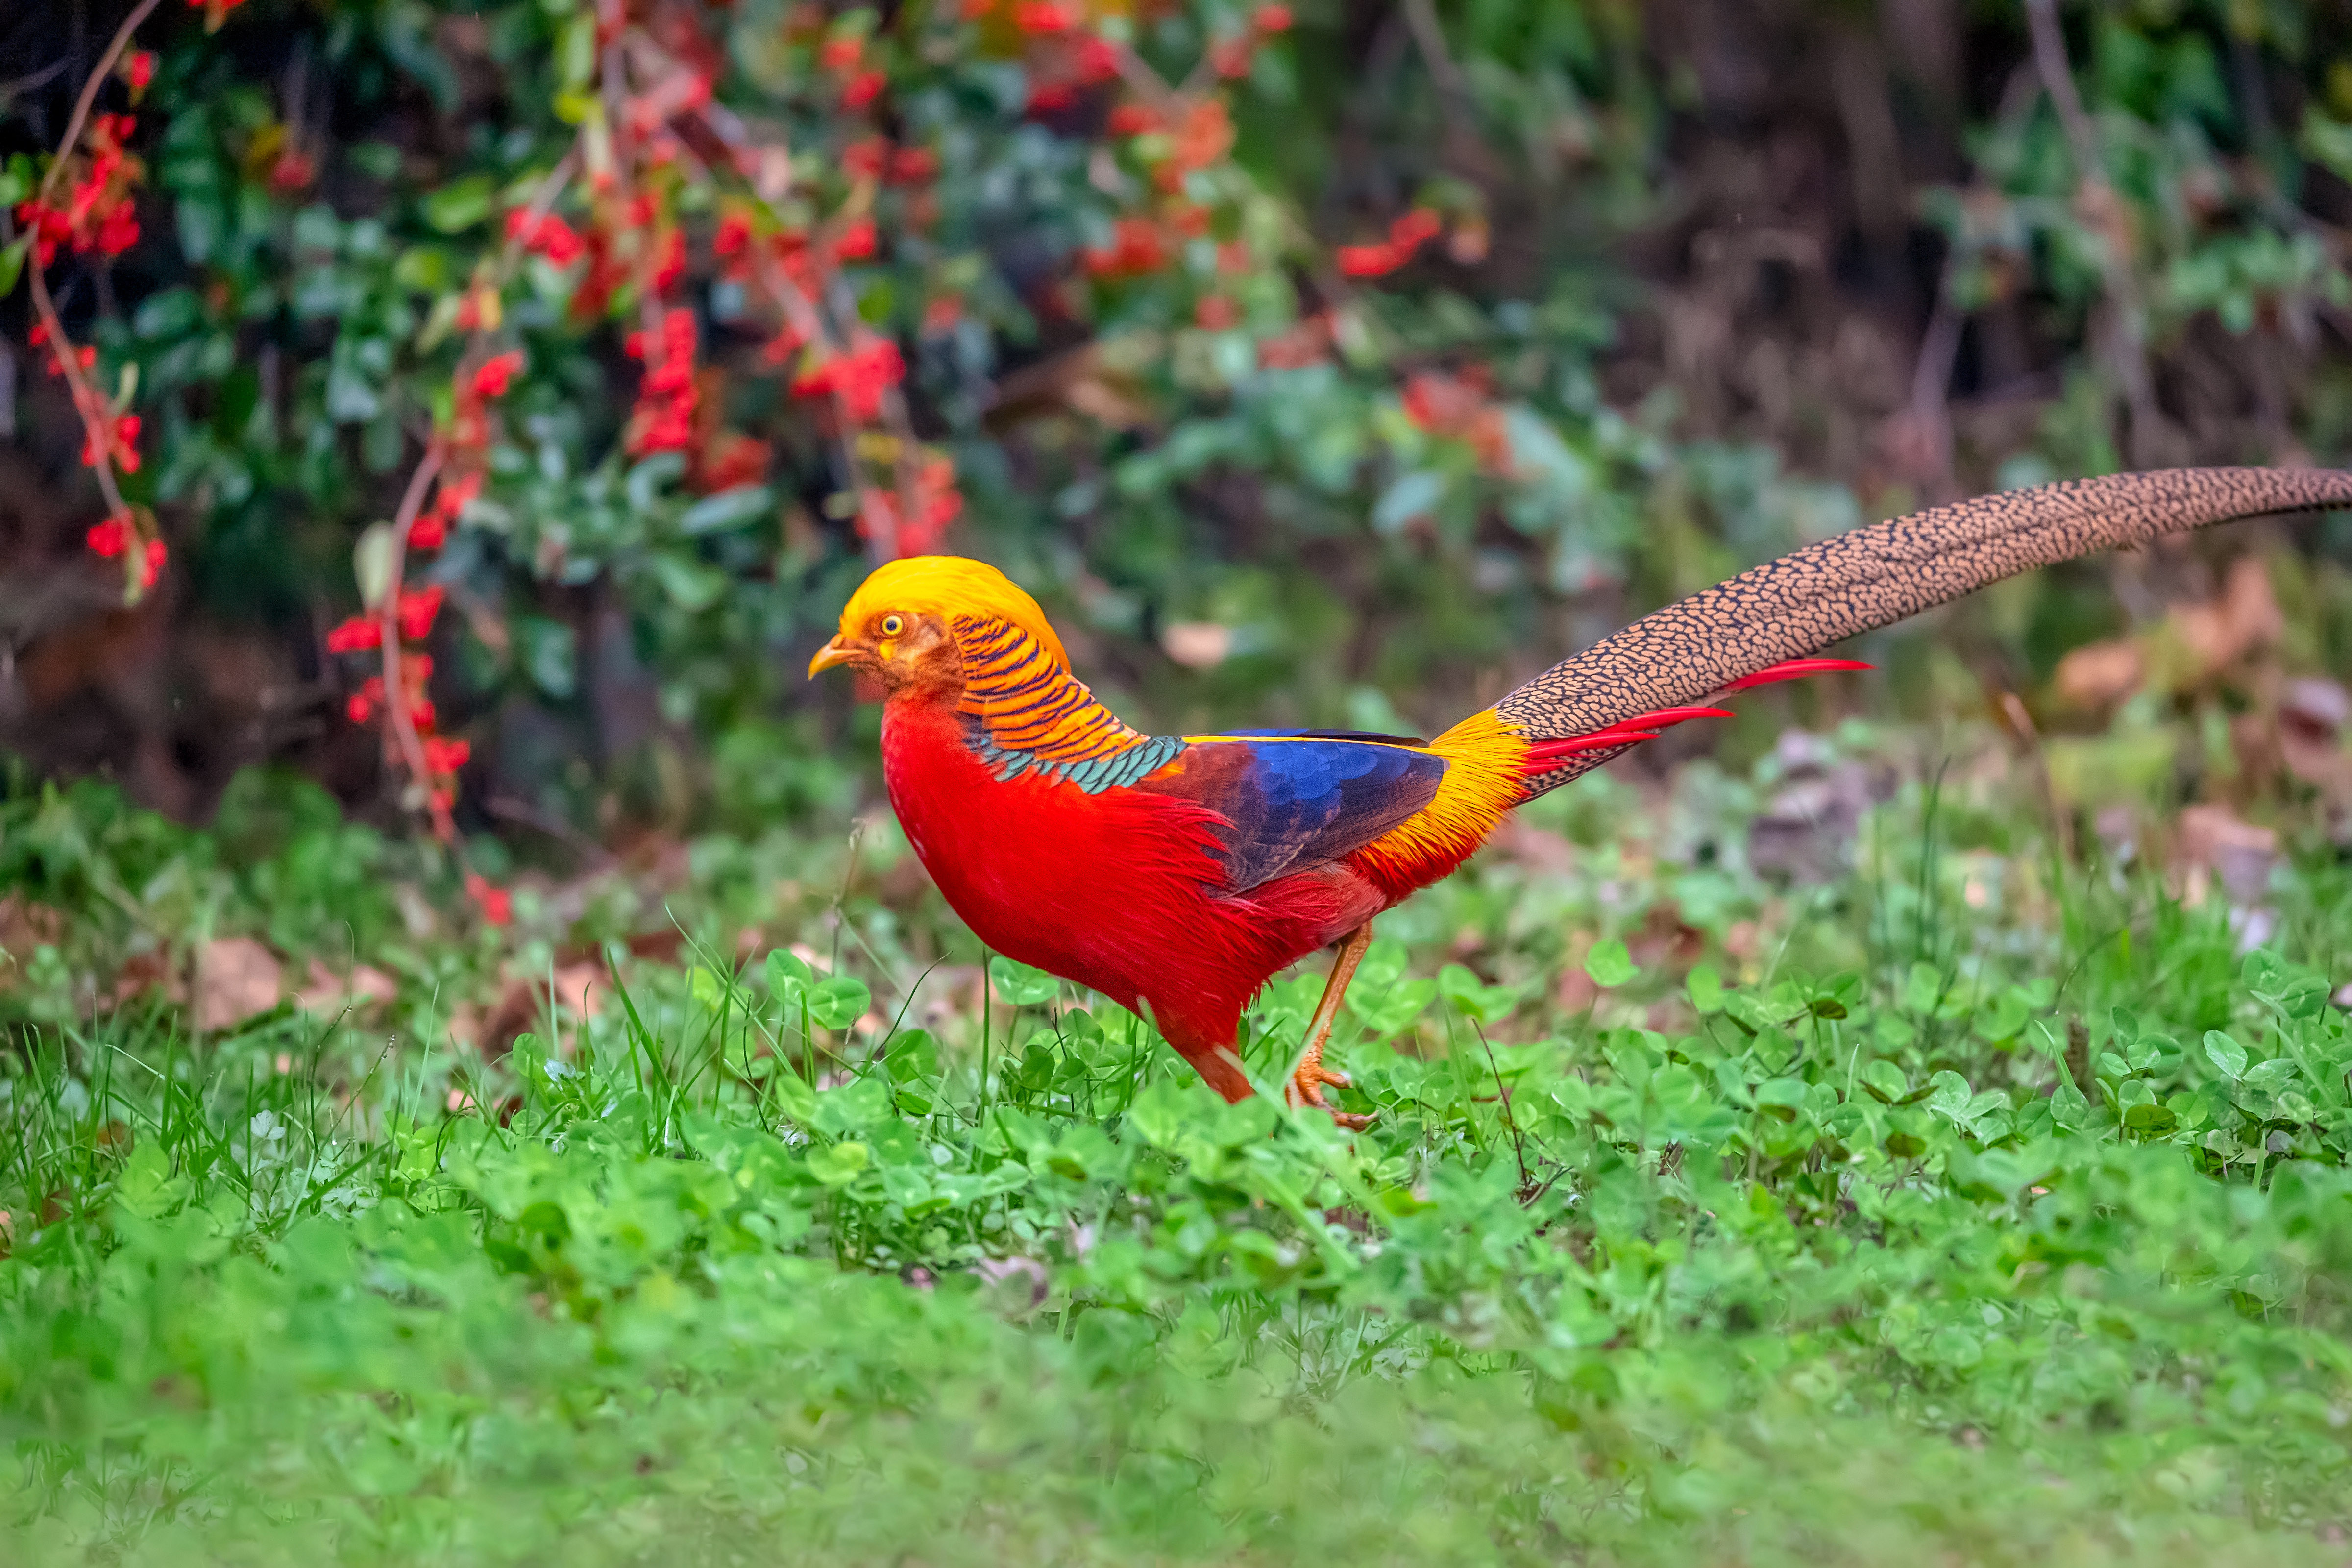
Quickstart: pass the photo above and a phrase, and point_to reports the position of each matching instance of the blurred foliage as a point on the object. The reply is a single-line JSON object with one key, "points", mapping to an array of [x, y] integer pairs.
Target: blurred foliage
{"points": [[1704, 282]]}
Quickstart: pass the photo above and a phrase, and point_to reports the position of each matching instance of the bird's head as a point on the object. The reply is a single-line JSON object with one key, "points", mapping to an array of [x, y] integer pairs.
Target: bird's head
{"points": [[900, 624]]}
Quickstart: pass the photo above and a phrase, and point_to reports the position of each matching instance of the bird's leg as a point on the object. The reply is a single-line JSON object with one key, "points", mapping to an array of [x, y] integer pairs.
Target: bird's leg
{"points": [[1306, 1085]]}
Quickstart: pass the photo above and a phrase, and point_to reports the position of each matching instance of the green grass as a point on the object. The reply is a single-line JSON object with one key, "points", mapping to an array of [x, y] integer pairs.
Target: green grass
{"points": [[1969, 1204]]}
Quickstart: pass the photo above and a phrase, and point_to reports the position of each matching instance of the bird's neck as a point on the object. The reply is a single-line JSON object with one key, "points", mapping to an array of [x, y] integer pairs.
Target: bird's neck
{"points": [[1023, 710]]}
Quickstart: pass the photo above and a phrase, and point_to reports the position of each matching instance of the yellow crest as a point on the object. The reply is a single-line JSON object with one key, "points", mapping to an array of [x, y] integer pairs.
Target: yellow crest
{"points": [[949, 586]]}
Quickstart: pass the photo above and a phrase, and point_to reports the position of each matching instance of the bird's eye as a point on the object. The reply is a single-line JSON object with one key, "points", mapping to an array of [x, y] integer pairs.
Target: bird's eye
{"points": [[893, 624]]}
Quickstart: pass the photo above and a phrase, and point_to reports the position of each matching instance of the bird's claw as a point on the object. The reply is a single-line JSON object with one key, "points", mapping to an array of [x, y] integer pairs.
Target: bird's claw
{"points": [[1306, 1089]]}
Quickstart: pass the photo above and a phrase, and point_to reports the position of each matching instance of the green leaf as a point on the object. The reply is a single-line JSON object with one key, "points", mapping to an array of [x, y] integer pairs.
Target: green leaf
{"points": [[11, 261], [1412, 496], [837, 1002], [913, 1055], [838, 1164], [423, 270], [576, 52], [1020, 984], [2226, 1054], [727, 508], [371, 564], [794, 1095], [460, 205], [709, 988], [1394, 1010], [2270, 1076], [1949, 1096], [1473, 999], [1610, 964], [1886, 1080], [787, 973], [549, 652], [1165, 1110], [1922, 988], [146, 1187], [1704, 988]]}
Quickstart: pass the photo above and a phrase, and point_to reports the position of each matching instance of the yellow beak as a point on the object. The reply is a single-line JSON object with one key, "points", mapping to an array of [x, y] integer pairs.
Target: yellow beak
{"points": [[833, 653]]}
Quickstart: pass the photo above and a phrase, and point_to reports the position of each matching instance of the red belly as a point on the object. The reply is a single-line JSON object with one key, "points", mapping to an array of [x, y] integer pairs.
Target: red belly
{"points": [[1114, 890]]}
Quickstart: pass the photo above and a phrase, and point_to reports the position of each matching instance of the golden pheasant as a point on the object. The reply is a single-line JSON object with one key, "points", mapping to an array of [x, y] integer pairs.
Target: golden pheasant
{"points": [[1176, 874]]}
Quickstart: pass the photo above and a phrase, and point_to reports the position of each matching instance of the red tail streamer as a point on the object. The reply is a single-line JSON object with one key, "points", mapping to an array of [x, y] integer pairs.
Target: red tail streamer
{"points": [[1792, 669], [1545, 755]]}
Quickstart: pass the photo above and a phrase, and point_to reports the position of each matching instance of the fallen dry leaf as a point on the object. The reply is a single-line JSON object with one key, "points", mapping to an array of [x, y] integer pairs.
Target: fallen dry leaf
{"points": [[2244, 616], [237, 977], [2213, 840], [2312, 717], [2101, 674], [326, 995], [1197, 645], [140, 974], [578, 987]]}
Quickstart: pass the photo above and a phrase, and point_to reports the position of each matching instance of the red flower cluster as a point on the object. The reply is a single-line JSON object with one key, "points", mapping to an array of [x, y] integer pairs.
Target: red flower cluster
{"points": [[496, 373], [733, 237], [858, 376], [85, 356], [120, 533], [495, 902], [1201, 138], [663, 420], [356, 635], [431, 529], [109, 436], [98, 214], [110, 538], [1064, 60], [1456, 407], [1137, 250], [856, 241], [844, 57], [546, 234], [1041, 16], [415, 673], [728, 458], [417, 609], [1407, 235], [443, 755]]}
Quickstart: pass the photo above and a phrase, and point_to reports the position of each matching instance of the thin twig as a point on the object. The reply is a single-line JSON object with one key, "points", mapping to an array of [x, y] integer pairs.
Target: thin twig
{"points": [[1519, 1149], [87, 401], [1453, 86], [89, 90], [2099, 202], [395, 694]]}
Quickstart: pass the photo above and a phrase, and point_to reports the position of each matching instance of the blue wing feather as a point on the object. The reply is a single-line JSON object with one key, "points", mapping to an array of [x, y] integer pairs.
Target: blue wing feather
{"points": [[1297, 799]]}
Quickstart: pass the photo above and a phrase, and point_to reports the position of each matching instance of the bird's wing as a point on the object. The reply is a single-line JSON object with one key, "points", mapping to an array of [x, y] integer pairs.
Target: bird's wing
{"points": [[1291, 799]]}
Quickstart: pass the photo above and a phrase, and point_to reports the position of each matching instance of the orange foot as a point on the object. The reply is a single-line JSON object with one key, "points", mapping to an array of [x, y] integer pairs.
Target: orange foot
{"points": [[1306, 1088]]}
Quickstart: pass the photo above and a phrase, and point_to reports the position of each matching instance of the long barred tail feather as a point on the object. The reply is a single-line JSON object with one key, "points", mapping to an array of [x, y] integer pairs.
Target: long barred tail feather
{"points": [[1768, 622]]}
